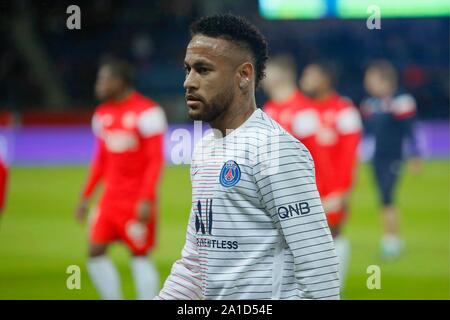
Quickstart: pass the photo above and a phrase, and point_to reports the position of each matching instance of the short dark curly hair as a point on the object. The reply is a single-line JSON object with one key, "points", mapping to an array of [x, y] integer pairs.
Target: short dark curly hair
{"points": [[239, 31]]}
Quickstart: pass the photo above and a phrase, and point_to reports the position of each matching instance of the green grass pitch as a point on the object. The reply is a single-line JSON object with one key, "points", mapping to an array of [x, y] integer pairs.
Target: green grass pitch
{"points": [[39, 237]]}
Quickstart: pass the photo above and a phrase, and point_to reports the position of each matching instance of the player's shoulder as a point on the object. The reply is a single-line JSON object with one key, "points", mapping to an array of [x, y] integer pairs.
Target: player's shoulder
{"points": [[403, 98], [261, 120], [301, 99], [151, 118], [142, 103], [369, 105], [269, 131], [344, 102], [102, 115], [261, 124], [102, 108], [277, 144], [368, 101], [403, 105], [269, 105]]}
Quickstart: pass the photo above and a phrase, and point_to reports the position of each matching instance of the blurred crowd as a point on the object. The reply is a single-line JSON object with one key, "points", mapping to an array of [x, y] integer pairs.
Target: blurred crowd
{"points": [[152, 35]]}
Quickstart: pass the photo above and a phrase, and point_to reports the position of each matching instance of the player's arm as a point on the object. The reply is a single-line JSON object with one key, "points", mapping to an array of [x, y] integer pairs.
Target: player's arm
{"points": [[405, 111], [366, 111], [349, 128], [3, 184], [152, 125], [408, 127], [95, 174], [185, 281], [97, 167], [96, 171], [286, 182]]}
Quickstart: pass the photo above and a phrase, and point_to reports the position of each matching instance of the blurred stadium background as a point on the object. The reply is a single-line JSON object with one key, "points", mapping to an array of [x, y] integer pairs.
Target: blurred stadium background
{"points": [[47, 74]]}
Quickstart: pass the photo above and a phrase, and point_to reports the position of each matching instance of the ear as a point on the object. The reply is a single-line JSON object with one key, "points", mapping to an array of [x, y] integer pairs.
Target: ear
{"points": [[246, 73]]}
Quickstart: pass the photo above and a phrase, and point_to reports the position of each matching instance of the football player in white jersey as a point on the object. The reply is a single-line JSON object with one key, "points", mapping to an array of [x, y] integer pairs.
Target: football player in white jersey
{"points": [[257, 229]]}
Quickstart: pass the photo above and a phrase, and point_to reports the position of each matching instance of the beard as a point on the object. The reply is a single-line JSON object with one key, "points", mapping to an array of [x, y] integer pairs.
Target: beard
{"points": [[214, 108], [309, 92]]}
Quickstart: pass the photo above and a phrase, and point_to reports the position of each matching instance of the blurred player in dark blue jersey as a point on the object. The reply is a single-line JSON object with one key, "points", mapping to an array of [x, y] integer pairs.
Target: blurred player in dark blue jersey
{"points": [[389, 115]]}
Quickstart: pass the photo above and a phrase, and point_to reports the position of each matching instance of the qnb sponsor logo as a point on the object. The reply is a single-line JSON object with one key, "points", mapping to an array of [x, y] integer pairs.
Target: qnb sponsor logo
{"points": [[300, 208]]}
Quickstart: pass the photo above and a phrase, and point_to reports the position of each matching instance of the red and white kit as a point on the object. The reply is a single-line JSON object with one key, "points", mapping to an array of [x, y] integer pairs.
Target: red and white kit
{"points": [[129, 159], [331, 130], [283, 112]]}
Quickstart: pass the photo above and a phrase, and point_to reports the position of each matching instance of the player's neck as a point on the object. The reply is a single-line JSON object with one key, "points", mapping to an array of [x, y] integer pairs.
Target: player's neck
{"points": [[387, 95], [284, 93], [324, 95], [235, 116], [122, 95]]}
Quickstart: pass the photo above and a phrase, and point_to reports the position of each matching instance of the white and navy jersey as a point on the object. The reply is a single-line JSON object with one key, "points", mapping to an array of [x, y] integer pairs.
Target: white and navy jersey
{"points": [[257, 229], [391, 121]]}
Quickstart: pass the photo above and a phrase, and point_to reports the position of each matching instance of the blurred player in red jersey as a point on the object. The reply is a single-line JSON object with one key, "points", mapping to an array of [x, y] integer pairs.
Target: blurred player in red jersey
{"points": [[280, 85], [3, 184], [129, 130], [329, 125]]}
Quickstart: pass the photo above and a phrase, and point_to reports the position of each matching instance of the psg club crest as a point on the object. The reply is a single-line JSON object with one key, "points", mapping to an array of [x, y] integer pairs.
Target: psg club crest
{"points": [[230, 174]]}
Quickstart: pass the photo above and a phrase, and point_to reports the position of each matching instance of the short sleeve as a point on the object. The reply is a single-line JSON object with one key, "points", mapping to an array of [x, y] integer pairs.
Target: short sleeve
{"points": [[152, 121], [404, 106], [348, 121], [96, 125]]}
